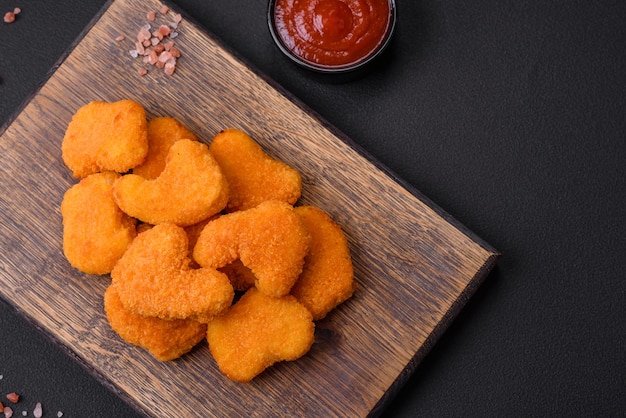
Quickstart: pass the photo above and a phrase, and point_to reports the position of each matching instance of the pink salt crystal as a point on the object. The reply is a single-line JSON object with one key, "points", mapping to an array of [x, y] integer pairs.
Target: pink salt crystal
{"points": [[164, 56], [120, 38], [151, 16], [144, 33], [177, 17], [140, 48], [13, 397], [175, 52], [160, 48], [155, 41], [152, 58], [164, 10], [164, 30], [169, 68], [8, 412], [9, 17], [142, 71], [37, 412]]}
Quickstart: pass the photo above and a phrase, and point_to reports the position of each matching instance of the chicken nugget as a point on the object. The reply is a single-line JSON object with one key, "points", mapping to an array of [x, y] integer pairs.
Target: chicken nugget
{"points": [[96, 233], [154, 278], [257, 332], [270, 239], [240, 276], [105, 136], [165, 340], [162, 133], [190, 189], [327, 278], [253, 176]]}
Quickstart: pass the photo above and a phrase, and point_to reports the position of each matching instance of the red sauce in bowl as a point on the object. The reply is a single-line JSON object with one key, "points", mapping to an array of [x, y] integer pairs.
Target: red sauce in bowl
{"points": [[332, 33]]}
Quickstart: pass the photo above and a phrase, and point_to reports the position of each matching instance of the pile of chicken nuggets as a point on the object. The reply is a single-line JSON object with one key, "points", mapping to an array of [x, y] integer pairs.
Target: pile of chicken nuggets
{"points": [[200, 241]]}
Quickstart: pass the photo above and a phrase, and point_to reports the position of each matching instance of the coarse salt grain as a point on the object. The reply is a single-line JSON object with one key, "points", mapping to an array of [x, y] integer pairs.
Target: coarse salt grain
{"points": [[164, 30], [151, 16], [37, 412], [9, 17], [169, 68], [120, 38], [59, 414], [139, 48], [165, 55], [8, 412], [13, 397], [153, 58], [144, 33]]}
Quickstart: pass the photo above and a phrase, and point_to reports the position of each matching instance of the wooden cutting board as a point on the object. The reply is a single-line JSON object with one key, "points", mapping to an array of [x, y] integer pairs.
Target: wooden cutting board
{"points": [[415, 265]]}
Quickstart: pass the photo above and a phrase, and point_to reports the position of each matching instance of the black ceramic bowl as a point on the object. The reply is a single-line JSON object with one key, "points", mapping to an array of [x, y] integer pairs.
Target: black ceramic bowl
{"points": [[357, 64]]}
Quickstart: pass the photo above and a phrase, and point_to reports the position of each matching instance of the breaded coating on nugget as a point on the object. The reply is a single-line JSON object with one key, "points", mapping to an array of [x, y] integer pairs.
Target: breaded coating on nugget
{"points": [[154, 278], [328, 277], [96, 233], [257, 332], [165, 340], [190, 189], [105, 136], [162, 133], [253, 176], [270, 239]]}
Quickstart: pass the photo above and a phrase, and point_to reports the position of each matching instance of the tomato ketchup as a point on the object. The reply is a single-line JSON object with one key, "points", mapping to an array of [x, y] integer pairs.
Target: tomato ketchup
{"points": [[332, 32]]}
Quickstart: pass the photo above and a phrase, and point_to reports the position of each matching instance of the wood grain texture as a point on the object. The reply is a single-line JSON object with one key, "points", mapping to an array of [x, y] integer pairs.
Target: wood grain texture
{"points": [[415, 267]]}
